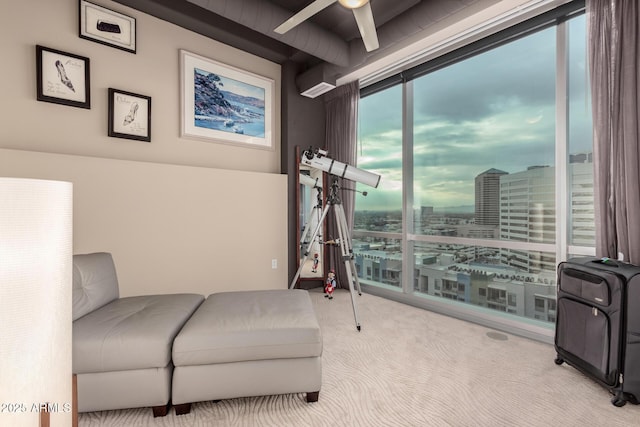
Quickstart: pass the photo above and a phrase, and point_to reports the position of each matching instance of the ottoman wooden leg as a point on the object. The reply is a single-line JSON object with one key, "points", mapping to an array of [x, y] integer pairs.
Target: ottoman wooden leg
{"points": [[183, 408], [160, 411], [312, 396]]}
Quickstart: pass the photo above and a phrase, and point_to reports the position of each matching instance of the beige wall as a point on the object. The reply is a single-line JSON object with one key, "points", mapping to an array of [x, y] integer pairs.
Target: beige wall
{"points": [[171, 228], [179, 215], [27, 124]]}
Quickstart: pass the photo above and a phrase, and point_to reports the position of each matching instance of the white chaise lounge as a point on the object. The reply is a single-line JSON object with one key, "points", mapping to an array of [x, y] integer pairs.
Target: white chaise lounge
{"points": [[122, 346], [234, 344]]}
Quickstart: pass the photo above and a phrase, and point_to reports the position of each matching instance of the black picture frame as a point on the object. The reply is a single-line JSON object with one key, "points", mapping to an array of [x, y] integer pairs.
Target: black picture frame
{"points": [[62, 77], [129, 115], [107, 27]]}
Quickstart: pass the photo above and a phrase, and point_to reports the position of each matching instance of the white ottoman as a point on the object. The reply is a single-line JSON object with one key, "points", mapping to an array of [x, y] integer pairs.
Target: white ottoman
{"points": [[252, 343]]}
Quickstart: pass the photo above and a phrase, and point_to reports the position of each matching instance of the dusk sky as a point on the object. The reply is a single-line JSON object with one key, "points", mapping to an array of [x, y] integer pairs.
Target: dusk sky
{"points": [[494, 110]]}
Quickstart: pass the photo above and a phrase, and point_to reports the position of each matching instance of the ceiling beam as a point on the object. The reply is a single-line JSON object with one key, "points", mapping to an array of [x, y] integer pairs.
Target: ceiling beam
{"points": [[194, 18]]}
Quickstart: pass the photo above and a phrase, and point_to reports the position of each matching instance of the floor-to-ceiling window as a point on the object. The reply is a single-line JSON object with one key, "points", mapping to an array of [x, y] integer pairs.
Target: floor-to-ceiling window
{"points": [[378, 217], [580, 134], [487, 180]]}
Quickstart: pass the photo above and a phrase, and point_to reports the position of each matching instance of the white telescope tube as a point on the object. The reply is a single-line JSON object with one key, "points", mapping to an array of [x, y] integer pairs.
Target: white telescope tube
{"points": [[342, 170]]}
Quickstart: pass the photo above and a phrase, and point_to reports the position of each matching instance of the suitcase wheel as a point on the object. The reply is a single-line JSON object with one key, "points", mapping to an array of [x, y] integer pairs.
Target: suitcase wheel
{"points": [[621, 398], [558, 360], [618, 401]]}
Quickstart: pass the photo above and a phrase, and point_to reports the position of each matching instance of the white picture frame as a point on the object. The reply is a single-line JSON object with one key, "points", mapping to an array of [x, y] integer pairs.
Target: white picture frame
{"points": [[105, 26], [222, 103]]}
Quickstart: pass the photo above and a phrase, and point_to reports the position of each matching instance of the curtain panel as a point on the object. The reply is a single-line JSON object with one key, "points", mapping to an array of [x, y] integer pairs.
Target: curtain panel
{"points": [[341, 109], [613, 54]]}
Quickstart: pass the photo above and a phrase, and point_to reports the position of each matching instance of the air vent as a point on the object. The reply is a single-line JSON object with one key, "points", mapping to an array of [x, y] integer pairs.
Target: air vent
{"points": [[317, 90]]}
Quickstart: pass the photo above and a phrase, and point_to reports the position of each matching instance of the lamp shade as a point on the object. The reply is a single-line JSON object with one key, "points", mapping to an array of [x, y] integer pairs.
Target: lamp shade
{"points": [[353, 4], [35, 301]]}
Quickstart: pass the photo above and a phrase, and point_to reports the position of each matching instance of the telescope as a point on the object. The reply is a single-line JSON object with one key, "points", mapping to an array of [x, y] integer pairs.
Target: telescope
{"points": [[308, 181], [318, 159]]}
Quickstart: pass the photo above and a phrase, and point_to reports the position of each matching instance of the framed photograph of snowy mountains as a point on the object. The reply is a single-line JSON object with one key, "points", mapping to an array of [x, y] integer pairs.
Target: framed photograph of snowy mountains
{"points": [[221, 103]]}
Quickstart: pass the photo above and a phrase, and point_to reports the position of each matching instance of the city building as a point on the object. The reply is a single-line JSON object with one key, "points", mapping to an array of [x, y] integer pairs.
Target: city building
{"points": [[528, 214], [488, 197], [513, 281]]}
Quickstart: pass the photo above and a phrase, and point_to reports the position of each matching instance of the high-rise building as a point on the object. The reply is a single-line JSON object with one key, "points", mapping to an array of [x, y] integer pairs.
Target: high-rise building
{"points": [[528, 214], [582, 230], [488, 197]]}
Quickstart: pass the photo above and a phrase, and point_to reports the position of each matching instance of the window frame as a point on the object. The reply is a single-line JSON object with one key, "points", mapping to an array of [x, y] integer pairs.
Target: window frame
{"points": [[539, 330]]}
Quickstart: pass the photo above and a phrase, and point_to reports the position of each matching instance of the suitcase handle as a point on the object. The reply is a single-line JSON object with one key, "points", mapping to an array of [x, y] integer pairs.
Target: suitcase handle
{"points": [[607, 261]]}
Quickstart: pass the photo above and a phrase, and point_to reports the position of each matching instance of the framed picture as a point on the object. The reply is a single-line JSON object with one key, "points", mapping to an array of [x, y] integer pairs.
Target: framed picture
{"points": [[129, 115], [62, 78], [105, 26], [225, 104]]}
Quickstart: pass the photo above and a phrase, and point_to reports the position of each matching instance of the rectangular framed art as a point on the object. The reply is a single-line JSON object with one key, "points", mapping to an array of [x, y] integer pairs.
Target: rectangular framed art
{"points": [[225, 104], [62, 78], [108, 27], [129, 115]]}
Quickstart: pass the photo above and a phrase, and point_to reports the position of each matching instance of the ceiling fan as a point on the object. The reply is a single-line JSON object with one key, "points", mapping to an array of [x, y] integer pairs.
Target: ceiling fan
{"points": [[361, 11]]}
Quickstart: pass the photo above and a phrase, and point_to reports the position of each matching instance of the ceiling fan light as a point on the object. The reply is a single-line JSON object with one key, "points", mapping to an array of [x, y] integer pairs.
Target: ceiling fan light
{"points": [[353, 4]]}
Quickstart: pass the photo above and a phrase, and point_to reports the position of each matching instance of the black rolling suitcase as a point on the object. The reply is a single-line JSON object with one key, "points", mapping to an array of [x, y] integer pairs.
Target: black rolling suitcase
{"points": [[598, 323]]}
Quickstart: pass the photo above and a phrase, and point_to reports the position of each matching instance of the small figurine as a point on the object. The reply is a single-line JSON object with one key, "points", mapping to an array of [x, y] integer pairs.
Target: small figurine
{"points": [[330, 284], [316, 261]]}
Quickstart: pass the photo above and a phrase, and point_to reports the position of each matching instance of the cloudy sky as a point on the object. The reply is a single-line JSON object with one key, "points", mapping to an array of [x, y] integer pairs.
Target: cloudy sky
{"points": [[494, 110]]}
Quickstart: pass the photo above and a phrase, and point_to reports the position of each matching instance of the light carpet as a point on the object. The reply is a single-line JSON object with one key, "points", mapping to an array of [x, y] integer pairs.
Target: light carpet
{"points": [[411, 367]]}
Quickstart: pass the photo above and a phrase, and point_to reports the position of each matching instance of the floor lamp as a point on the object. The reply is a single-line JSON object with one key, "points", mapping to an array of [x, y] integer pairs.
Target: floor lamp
{"points": [[35, 302]]}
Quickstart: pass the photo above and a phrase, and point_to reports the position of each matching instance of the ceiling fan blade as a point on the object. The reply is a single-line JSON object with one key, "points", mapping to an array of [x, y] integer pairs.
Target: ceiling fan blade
{"points": [[367, 26], [303, 15]]}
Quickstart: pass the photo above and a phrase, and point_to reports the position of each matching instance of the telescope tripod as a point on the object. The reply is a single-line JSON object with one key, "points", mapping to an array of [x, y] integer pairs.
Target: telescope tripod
{"points": [[315, 213], [343, 241]]}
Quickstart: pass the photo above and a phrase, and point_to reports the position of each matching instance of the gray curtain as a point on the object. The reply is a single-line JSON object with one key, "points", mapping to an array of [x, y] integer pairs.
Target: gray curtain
{"points": [[613, 34], [341, 109]]}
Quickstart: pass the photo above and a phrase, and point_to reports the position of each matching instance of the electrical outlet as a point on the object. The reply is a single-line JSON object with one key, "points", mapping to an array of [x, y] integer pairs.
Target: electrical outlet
{"points": [[274, 263]]}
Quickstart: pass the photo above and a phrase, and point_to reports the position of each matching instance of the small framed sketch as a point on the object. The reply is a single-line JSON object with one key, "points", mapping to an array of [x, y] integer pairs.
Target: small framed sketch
{"points": [[62, 78], [108, 27], [129, 115]]}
